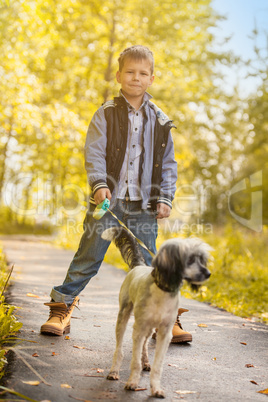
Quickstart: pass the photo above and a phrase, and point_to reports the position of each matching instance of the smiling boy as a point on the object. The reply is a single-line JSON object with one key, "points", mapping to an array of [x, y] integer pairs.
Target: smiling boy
{"points": [[129, 159]]}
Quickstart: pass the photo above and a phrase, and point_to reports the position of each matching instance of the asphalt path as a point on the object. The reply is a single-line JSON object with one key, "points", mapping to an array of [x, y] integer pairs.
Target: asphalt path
{"points": [[227, 360]]}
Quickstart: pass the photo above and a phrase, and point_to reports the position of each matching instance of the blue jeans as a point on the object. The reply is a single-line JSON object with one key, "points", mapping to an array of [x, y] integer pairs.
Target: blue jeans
{"points": [[92, 247]]}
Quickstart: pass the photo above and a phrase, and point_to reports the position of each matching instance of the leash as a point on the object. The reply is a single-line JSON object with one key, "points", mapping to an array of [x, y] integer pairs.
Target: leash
{"points": [[101, 210]]}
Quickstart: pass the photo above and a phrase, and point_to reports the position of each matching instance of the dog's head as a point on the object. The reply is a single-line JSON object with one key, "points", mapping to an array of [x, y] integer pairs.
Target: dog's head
{"points": [[179, 259]]}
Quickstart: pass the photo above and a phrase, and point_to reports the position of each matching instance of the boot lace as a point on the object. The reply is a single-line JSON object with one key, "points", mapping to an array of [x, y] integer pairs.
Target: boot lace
{"points": [[178, 321], [60, 312]]}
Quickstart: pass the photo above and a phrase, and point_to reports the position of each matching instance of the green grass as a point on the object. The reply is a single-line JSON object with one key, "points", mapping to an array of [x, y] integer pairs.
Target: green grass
{"points": [[239, 280], [8, 322]]}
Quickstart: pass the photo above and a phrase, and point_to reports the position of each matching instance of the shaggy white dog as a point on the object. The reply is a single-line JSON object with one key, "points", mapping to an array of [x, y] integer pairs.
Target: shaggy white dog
{"points": [[153, 294]]}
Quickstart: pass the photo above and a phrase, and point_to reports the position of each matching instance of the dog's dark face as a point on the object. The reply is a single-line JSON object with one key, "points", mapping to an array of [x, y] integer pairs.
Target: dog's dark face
{"points": [[179, 259], [195, 270]]}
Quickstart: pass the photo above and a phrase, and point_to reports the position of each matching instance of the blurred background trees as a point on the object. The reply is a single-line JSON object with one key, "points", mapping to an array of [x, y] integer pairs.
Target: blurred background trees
{"points": [[58, 63]]}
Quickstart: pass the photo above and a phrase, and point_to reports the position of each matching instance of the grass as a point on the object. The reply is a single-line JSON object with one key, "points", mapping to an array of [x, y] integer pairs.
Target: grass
{"points": [[8, 322], [239, 280]]}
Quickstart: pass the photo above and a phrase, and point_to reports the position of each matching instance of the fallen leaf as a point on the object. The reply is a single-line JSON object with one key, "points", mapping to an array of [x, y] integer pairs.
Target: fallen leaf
{"points": [[100, 370], [243, 343], [214, 358], [65, 386], [54, 354], [79, 399], [140, 389], [67, 337], [98, 326], [35, 355], [254, 382], [249, 365], [185, 392], [264, 391], [202, 325], [32, 295], [31, 382], [79, 347], [175, 365]]}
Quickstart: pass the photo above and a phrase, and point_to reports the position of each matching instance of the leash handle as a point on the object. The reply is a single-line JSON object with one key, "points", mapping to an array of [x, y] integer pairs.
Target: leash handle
{"points": [[101, 209]]}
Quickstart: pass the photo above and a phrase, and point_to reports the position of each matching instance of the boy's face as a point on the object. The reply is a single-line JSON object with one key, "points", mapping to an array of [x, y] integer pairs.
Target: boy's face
{"points": [[135, 77]]}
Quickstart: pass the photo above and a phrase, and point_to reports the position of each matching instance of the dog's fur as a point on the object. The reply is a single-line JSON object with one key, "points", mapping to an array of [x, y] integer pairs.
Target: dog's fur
{"points": [[153, 294]]}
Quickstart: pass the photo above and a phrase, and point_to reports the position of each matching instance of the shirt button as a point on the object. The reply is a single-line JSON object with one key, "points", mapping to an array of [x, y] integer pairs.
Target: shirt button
{"points": [[137, 114], [136, 129], [126, 181], [133, 146], [131, 163], [156, 165], [163, 145]]}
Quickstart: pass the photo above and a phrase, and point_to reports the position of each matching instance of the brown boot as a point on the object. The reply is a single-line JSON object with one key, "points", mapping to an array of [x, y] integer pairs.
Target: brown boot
{"points": [[178, 334], [58, 322]]}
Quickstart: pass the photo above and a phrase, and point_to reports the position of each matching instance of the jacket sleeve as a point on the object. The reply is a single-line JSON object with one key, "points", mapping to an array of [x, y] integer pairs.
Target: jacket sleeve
{"points": [[95, 151], [169, 174]]}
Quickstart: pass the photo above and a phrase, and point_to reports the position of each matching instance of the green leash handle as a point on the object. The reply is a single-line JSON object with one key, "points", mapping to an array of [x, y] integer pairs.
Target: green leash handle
{"points": [[101, 209]]}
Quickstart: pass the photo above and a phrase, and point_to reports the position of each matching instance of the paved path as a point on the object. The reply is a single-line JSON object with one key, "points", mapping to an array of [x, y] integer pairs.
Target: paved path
{"points": [[213, 367]]}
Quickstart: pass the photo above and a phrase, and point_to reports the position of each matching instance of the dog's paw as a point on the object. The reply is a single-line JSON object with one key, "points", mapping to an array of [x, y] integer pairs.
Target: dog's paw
{"points": [[146, 367], [159, 393], [113, 375], [132, 386]]}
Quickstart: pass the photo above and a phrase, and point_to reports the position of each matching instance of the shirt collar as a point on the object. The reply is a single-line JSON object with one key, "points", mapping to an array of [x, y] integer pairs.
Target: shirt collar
{"points": [[146, 98]]}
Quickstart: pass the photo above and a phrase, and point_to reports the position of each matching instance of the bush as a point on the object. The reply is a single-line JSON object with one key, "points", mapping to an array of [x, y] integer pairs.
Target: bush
{"points": [[8, 322]]}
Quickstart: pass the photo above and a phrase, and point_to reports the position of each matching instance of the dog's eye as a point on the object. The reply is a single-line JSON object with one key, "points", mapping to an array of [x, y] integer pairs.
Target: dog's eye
{"points": [[191, 260]]}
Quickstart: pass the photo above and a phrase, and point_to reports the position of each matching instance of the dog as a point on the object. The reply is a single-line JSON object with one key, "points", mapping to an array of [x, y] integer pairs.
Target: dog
{"points": [[153, 294]]}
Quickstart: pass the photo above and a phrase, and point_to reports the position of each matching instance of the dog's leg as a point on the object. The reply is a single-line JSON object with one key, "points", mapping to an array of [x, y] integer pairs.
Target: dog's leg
{"points": [[122, 320], [144, 358], [138, 340], [164, 336]]}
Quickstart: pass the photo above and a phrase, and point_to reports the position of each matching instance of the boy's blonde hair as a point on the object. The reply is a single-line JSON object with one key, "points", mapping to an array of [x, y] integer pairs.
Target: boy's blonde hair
{"points": [[137, 52]]}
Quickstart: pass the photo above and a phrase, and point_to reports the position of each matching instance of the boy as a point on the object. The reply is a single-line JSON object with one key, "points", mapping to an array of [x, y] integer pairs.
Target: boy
{"points": [[129, 158]]}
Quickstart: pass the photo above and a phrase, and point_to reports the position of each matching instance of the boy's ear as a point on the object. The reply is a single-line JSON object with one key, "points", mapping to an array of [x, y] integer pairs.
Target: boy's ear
{"points": [[118, 77], [152, 80]]}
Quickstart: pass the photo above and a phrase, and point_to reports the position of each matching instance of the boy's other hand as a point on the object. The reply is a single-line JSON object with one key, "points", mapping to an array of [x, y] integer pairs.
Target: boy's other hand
{"points": [[163, 211], [101, 194]]}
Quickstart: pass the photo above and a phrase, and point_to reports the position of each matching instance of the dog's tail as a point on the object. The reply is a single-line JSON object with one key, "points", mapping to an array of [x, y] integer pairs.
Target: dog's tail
{"points": [[127, 245]]}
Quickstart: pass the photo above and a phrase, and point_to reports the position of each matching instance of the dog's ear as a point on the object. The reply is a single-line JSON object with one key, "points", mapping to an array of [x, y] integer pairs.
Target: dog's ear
{"points": [[168, 267]]}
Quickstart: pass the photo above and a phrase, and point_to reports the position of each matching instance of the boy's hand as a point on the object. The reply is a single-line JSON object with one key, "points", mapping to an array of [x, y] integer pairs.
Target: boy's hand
{"points": [[163, 211], [101, 194]]}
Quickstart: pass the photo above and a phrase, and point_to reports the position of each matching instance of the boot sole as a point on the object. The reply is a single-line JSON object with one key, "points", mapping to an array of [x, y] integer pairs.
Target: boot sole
{"points": [[54, 331], [182, 339]]}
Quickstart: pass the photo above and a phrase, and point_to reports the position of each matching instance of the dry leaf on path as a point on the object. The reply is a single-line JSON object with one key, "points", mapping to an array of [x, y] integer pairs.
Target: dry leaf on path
{"points": [[35, 355], [31, 382], [202, 325], [254, 382], [79, 347], [249, 365], [243, 343], [65, 386], [185, 392], [79, 399], [264, 391], [67, 337], [100, 370], [175, 365], [32, 295]]}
